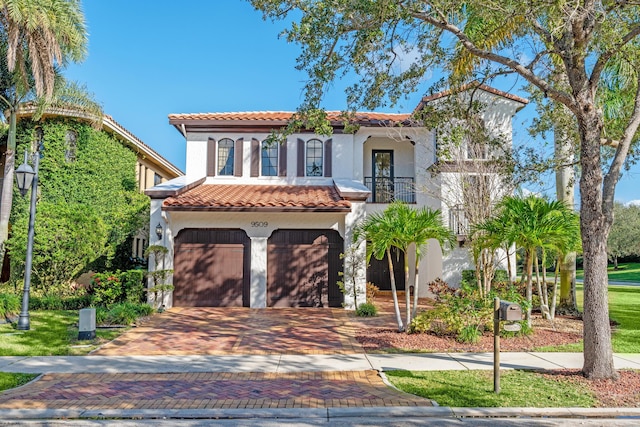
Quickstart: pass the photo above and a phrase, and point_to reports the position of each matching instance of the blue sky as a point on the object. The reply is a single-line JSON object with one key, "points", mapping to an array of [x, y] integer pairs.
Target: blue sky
{"points": [[148, 59]]}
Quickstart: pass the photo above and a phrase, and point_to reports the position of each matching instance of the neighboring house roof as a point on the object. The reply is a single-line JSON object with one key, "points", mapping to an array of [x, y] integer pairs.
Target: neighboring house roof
{"points": [[115, 128], [251, 198], [266, 120]]}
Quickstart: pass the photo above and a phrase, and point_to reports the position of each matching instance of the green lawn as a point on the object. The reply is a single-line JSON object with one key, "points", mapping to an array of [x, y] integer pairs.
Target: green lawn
{"points": [[626, 272], [475, 389], [624, 305], [52, 333], [8, 381]]}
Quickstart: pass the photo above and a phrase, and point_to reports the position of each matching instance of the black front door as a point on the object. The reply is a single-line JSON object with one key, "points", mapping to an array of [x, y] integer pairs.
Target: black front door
{"points": [[382, 167]]}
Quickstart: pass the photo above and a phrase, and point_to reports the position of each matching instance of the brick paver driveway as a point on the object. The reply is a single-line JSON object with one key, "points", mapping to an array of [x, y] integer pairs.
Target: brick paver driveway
{"points": [[219, 331], [207, 391]]}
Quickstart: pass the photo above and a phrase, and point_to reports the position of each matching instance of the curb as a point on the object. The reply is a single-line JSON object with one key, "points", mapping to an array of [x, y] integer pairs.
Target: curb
{"points": [[330, 413]]}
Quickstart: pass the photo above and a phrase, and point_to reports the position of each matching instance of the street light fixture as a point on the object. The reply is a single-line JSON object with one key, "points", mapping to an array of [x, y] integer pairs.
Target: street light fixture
{"points": [[28, 177], [24, 176]]}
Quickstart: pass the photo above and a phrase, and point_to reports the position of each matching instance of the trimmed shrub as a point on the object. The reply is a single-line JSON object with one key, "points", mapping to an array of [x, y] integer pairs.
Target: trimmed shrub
{"points": [[106, 289], [133, 286], [54, 302], [9, 305], [367, 309], [110, 288], [124, 313]]}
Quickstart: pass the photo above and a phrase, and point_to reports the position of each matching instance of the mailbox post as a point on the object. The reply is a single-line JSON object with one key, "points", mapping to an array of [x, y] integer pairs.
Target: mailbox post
{"points": [[502, 311]]}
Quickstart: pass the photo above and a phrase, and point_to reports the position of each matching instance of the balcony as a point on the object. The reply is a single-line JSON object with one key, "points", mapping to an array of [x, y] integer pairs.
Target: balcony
{"points": [[389, 190], [458, 223]]}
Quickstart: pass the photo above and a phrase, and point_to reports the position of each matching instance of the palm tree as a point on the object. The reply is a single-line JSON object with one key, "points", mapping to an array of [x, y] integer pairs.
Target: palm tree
{"points": [[493, 234], [536, 223], [424, 224], [380, 231], [38, 37], [401, 226]]}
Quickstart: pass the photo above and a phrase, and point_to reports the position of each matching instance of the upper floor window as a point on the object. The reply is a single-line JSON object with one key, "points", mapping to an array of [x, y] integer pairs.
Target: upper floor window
{"points": [[225, 156], [71, 145], [314, 153], [269, 159], [157, 179], [476, 150]]}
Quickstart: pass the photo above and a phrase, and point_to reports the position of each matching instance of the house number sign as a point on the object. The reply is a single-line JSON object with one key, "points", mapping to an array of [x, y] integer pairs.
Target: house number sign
{"points": [[259, 224]]}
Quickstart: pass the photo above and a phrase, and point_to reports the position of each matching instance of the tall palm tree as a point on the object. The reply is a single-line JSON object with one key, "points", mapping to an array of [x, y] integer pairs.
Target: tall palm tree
{"points": [[37, 38]]}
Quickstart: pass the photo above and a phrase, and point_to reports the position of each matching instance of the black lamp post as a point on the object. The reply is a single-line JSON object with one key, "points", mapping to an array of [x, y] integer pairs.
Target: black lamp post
{"points": [[28, 177]]}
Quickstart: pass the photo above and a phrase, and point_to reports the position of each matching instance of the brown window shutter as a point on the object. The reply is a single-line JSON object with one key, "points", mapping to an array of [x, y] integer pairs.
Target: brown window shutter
{"points": [[282, 159], [255, 158], [211, 157], [300, 157], [237, 161], [327, 157]]}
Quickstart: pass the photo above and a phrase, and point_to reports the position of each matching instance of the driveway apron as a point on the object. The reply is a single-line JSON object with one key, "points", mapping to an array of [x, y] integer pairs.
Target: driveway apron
{"points": [[207, 391]]}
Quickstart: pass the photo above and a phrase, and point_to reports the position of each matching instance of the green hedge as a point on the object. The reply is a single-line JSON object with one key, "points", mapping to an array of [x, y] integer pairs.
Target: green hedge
{"points": [[58, 303]]}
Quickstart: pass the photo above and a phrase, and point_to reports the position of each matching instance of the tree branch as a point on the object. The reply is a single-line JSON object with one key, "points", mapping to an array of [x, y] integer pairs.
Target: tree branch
{"points": [[612, 176], [527, 74], [606, 56]]}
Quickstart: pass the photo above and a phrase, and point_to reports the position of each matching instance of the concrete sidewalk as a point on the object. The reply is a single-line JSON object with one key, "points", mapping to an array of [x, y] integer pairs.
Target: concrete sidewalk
{"points": [[301, 363]]}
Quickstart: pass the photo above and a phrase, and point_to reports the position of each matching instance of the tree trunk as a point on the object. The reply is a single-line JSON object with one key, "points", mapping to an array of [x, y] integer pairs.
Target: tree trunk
{"points": [[407, 290], [416, 283], [596, 216], [509, 268], [6, 199], [394, 292], [529, 269], [565, 192], [598, 351]]}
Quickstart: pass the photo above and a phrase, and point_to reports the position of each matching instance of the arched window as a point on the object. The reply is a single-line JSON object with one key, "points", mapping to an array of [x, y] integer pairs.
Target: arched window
{"points": [[71, 145], [313, 159], [269, 158], [225, 156]]}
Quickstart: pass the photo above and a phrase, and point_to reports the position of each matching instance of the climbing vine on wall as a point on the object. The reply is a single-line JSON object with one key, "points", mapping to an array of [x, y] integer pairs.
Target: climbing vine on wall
{"points": [[88, 202]]}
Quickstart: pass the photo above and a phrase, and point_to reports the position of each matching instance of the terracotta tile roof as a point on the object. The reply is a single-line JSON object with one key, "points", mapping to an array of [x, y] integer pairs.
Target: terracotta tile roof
{"points": [[283, 116], [282, 198], [426, 99]]}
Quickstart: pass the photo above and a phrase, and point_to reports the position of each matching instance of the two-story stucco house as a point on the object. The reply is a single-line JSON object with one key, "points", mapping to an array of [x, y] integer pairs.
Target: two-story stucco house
{"points": [[258, 226]]}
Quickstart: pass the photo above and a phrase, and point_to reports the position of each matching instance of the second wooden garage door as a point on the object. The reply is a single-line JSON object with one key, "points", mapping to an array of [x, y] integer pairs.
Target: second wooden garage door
{"points": [[303, 268], [211, 268]]}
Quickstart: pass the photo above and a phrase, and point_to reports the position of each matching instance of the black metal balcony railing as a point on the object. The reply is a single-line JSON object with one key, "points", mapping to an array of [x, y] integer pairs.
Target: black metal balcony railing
{"points": [[388, 190], [458, 222]]}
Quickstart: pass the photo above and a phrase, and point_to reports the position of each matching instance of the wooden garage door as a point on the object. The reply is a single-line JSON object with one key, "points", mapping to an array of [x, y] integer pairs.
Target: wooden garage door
{"points": [[211, 268], [303, 268]]}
